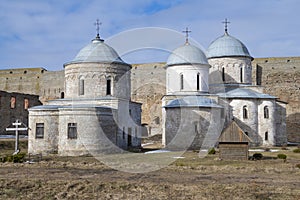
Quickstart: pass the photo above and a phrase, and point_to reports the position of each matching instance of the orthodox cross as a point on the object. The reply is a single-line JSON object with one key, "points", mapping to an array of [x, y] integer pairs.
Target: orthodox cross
{"points": [[186, 35], [226, 22], [16, 129], [97, 24]]}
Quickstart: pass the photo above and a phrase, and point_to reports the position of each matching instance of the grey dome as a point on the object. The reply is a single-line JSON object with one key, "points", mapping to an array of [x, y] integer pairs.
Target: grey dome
{"points": [[187, 54], [97, 51], [192, 101], [227, 45]]}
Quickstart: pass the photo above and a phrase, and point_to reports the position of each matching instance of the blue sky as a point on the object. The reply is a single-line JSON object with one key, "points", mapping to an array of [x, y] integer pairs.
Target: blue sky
{"points": [[49, 33]]}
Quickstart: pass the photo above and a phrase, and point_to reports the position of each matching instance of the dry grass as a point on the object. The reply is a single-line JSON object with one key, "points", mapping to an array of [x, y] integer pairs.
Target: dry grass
{"points": [[186, 178]]}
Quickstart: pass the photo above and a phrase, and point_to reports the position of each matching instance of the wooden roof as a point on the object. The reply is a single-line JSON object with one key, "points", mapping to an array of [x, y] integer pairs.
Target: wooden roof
{"points": [[233, 133]]}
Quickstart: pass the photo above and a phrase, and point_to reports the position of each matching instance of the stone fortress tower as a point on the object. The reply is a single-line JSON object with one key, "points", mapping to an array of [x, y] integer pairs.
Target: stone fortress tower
{"points": [[96, 115]]}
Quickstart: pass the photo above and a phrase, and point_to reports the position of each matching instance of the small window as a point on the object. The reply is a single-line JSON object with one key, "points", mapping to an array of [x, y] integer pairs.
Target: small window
{"points": [[123, 133], [26, 104], [266, 136], [62, 95], [181, 82], [223, 74], [157, 120], [108, 87], [241, 74], [266, 112], [247, 133], [81, 87], [39, 131], [198, 82], [72, 130], [12, 102], [245, 112]]}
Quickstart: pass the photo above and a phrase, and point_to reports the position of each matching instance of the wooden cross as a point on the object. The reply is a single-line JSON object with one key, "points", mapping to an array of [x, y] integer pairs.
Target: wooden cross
{"points": [[226, 22], [97, 24], [16, 129], [186, 35]]}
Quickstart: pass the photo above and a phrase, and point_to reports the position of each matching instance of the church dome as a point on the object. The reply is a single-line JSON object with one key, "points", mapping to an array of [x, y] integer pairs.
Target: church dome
{"points": [[97, 51], [227, 45], [187, 54]]}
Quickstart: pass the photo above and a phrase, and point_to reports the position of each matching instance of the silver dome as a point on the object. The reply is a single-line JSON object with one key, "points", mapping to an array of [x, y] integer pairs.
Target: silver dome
{"points": [[192, 101], [97, 51], [187, 54], [227, 45]]}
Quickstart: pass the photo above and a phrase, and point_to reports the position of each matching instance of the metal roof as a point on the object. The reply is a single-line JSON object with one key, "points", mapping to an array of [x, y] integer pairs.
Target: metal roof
{"points": [[227, 45], [187, 54], [245, 94], [192, 101], [97, 51]]}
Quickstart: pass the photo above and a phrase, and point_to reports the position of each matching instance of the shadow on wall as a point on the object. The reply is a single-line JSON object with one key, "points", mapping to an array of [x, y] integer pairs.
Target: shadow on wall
{"points": [[293, 127], [257, 140]]}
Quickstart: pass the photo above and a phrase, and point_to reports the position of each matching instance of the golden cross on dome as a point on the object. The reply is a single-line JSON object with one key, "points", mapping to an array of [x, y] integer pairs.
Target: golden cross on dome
{"points": [[186, 35], [226, 22]]}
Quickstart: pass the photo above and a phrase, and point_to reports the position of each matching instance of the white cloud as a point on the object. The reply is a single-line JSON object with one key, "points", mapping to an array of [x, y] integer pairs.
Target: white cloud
{"points": [[49, 33]]}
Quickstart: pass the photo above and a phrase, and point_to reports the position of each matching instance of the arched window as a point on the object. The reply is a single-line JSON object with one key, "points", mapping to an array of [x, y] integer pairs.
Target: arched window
{"points": [[266, 112], [223, 74], [198, 81], [266, 136], [245, 112], [108, 86], [81, 86], [12, 102], [241, 74], [181, 81]]}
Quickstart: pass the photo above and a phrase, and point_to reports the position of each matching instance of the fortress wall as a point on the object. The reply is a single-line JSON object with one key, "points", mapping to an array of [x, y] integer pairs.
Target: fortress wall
{"points": [[35, 81], [148, 82], [281, 77]]}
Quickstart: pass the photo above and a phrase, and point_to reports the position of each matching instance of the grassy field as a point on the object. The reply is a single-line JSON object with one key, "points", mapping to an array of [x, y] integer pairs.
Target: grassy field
{"points": [[188, 177]]}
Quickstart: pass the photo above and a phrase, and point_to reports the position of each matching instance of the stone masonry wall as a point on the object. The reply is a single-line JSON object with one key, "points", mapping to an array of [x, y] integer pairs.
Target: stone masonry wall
{"points": [[280, 77]]}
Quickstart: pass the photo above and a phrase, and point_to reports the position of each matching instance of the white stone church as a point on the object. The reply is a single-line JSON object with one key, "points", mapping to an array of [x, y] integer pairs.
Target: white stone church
{"points": [[96, 115], [204, 93]]}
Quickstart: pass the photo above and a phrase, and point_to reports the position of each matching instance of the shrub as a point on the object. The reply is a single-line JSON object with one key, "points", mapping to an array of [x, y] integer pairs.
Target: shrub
{"points": [[296, 150], [18, 158], [257, 156], [211, 151], [298, 165], [282, 156]]}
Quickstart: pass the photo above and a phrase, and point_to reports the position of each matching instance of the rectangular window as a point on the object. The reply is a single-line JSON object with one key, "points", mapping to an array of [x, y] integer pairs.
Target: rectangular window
{"points": [[72, 130], [39, 131]]}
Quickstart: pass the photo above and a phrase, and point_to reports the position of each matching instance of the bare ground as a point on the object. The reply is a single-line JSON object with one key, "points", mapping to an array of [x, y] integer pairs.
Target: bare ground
{"points": [[186, 178]]}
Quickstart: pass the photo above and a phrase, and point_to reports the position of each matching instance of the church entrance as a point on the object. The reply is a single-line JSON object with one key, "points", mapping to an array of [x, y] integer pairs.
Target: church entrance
{"points": [[129, 138]]}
